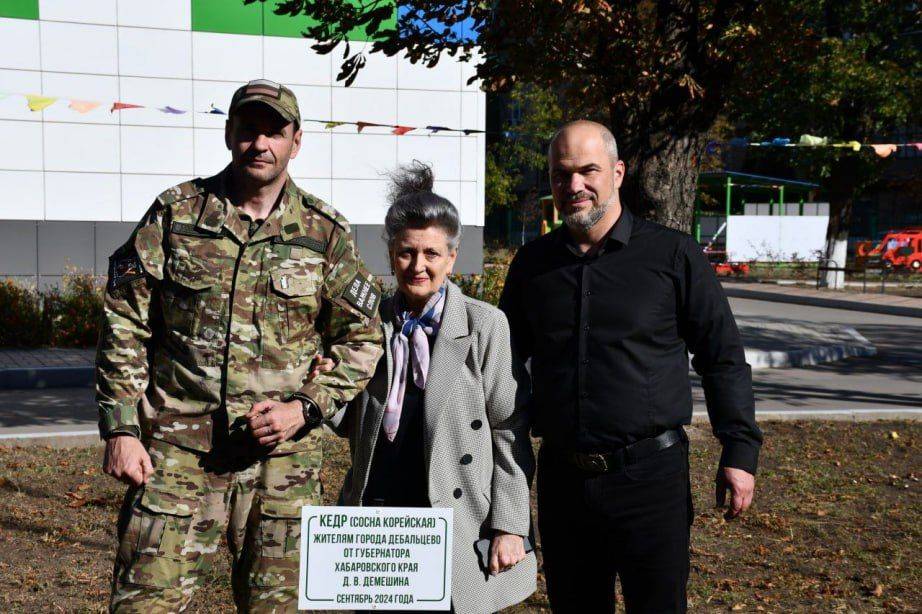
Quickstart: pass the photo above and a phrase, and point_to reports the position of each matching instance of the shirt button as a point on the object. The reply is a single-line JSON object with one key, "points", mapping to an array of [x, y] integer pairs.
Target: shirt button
{"points": [[585, 361], [586, 328], [457, 493], [476, 424], [588, 292], [466, 459]]}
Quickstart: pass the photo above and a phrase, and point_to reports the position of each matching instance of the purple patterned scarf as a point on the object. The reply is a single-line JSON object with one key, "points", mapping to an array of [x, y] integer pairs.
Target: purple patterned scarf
{"points": [[415, 330]]}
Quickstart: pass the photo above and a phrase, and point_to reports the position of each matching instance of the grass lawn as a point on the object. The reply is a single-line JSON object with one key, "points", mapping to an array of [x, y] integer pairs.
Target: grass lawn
{"points": [[835, 526]]}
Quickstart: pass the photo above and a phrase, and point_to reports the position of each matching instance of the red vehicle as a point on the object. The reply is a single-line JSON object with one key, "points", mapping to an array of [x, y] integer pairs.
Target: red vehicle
{"points": [[898, 249], [724, 268]]}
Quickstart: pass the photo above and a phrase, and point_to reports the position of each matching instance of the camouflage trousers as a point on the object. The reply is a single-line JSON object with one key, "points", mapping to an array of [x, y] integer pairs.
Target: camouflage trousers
{"points": [[170, 529]]}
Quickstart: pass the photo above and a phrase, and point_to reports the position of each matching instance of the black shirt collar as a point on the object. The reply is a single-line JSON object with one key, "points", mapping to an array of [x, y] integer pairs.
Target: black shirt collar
{"points": [[620, 233]]}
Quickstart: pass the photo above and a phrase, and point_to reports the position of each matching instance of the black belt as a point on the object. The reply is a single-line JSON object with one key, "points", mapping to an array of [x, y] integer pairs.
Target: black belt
{"points": [[617, 460]]}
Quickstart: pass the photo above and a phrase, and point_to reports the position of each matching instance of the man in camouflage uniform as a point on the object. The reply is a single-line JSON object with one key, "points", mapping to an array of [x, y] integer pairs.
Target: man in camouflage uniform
{"points": [[214, 310]]}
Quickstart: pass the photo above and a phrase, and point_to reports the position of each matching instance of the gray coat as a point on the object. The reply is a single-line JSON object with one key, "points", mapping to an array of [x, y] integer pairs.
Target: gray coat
{"points": [[474, 405]]}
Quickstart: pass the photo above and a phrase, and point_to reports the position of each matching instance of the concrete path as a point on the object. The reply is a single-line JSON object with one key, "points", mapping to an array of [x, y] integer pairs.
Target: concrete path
{"points": [[872, 303]]}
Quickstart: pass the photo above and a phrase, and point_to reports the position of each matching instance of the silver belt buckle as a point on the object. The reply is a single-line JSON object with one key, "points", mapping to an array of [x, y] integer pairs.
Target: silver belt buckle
{"points": [[597, 462]]}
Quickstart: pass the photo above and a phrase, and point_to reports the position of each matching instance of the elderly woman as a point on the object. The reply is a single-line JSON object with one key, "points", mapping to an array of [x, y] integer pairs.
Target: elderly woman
{"points": [[442, 422]]}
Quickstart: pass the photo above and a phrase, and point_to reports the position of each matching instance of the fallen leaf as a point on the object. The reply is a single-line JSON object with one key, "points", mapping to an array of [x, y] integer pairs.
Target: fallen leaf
{"points": [[878, 590], [894, 435]]}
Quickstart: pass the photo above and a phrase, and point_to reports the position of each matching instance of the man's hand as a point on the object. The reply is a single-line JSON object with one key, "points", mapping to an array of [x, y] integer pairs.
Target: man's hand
{"points": [[321, 365], [741, 484], [272, 422], [127, 460], [506, 550]]}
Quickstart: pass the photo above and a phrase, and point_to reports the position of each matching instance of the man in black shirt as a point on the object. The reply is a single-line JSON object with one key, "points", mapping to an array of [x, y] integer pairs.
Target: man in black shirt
{"points": [[607, 307]]}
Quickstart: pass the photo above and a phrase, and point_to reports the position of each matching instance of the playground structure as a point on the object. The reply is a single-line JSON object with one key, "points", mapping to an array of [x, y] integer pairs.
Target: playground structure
{"points": [[899, 249]]}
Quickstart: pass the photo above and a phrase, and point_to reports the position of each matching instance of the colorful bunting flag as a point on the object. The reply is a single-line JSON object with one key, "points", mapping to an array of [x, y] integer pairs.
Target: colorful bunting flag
{"points": [[83, 106], [808, 140], [331, 125], [916, 145], [170, 110], [118, 106], [362, 125], [215, 111], [470, 131], [883, 150], [39, 103], [435, 129], [400, 130]]}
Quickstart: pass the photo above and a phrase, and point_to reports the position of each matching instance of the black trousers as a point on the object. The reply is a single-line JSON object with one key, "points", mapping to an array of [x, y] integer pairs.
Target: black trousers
{"points": [[632, 523]]}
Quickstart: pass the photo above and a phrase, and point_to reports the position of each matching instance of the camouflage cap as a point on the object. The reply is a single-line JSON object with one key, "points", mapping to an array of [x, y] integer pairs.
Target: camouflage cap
{"points": [[276, 95]]}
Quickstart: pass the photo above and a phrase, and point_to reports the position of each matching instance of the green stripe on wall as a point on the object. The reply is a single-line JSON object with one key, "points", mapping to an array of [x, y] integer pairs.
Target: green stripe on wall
{"points": [[227, 16], [19, 9], [233, 17]]}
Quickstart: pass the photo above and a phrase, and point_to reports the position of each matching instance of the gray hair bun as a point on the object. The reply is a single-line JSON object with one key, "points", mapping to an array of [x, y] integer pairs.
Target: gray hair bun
{"points": [[413, 204]]}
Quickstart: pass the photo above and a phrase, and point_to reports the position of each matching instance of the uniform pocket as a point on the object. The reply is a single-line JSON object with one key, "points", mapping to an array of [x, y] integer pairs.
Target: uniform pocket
{"points": [[160, 527], [277, 544]]}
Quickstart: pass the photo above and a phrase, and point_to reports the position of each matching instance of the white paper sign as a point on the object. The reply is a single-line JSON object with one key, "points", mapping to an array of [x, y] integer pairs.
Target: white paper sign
{"points": [[375, 558]]}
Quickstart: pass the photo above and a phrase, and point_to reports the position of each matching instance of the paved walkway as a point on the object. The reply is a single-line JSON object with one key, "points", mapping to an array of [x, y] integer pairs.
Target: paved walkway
{"points": [[855, 301], [47, 357]]}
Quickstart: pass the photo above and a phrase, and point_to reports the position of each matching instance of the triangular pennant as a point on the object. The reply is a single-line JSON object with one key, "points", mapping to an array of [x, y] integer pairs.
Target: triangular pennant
{"points": [[916, 145], [83, 106], [38, 103], [362, 125], [170, 110], [215, 111], [437, 128], [883, 150], [780, 142], [808, 140], [118, 106], [400, 130], [470, 131], [331, 125]]}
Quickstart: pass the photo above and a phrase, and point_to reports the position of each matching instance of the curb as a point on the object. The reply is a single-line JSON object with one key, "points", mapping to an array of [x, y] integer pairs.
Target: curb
{"points": [[46, 377], [818, 301], [805, 357], [852, 415]]}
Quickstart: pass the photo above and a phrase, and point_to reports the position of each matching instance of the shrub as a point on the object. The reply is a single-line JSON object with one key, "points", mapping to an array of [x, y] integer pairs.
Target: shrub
{"points": [[20, 316], [74, 311]]}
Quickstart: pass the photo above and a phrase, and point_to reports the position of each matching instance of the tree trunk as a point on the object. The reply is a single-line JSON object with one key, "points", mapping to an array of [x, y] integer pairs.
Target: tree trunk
{"points": [[662, 179], [842, 184]]}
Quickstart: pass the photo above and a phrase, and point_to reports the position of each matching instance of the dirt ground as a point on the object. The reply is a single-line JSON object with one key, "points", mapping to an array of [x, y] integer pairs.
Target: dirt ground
{"points": [[835, 526]]}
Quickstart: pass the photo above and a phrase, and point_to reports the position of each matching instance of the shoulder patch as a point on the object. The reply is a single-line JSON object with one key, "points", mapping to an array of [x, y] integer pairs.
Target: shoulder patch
{"points": [[124, 267], [183, 191], [190, 230], [362, 294], [312, 202]]}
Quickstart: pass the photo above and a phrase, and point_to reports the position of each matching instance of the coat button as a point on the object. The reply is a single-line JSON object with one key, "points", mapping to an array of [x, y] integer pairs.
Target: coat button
{"points": [[476, 424], [466, 459], [457, 493]]}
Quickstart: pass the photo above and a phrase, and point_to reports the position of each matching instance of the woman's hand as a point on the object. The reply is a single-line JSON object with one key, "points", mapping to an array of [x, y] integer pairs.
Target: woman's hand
{"points": [[505, 551], [321, 365]]}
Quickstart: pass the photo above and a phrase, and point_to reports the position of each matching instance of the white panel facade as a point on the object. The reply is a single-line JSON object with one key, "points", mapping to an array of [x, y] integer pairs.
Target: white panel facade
{"points": [[292, 61], [20, 44], [226, 57], [82, 87], [21, 81], [170, 14], [84, 11], [78, 196], [81, 148], [144, 52], [156, 94], [80, 48], [104, 166], [165, 151], [27, 155], [23, 195]]}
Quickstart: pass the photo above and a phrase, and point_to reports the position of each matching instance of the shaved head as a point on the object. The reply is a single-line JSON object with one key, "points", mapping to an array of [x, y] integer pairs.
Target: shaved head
{"points": [[583, 125]]}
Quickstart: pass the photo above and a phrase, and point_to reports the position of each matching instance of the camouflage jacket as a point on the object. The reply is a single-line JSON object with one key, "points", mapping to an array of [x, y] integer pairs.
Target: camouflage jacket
{"points": [[202, 320]]}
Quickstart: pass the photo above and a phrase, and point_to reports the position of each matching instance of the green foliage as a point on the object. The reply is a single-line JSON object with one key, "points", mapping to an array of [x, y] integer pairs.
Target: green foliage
{"points": [[523, 151], [68, 316], [20, 316]]}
